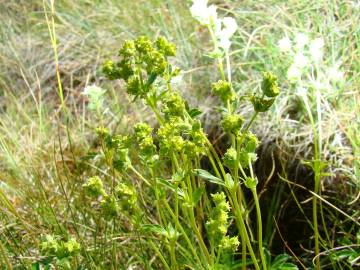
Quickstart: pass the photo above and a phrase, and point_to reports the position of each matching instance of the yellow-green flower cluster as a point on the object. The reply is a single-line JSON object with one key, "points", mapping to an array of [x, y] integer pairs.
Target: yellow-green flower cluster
{"points": [[232, 123], [270, 91], [177, 135], [230, 158], [141, 61], [217, 224], [109, 207], [143, 136], [269, 85], [173, 105], [248, 149], [223, 90], [94, 187], [116, 147], [52, 246], [126, 196], [229, 244]]}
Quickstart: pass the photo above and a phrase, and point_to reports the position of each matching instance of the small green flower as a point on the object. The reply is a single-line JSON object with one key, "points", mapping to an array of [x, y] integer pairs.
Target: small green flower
{"points": [[147, 147], [109, 207], [217, 224], [269, 85], [261, 104], [94, 187], [110, 70], [102, 133], [174, 105], [121, 159], [142, 130], [230, 158], [128, 49], [223, 90], [71, 247], [134, 86], [232, 123], [156, 63], [248, 149], [50, 245], [165, 47], [124, 70], [143, 45], [229, 244], [251, 182], [127, 196]]}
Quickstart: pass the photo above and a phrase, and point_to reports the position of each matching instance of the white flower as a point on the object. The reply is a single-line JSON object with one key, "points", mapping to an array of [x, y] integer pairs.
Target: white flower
{"points": [[293, 72], [284, 44], [224, 43], [204, 14], [334, 74], [301, 40], [95, 95], [316, 49], [300, 60], [230, 27], [224, 35]]}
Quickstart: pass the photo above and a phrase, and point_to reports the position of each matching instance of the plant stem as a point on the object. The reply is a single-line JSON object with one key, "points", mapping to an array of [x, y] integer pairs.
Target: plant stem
{"points": [[317, 178], [258, 214]]}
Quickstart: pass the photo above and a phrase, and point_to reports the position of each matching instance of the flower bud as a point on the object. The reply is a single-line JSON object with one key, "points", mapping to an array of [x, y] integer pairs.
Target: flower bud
{"points": [[261, 104], [269, 85], [143, 45], [229, 244], [134, 86], [142, 130], [109, 207], [94, 187], [174, 104], [232, 123], [165, 47], [128, 49], [223, 90], [127, 196], [230, 158], [110, 70]]}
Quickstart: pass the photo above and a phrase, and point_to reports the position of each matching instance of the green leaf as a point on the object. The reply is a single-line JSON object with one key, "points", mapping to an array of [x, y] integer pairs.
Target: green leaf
{"points": [[194, 112], [280, 263], [208, 176], [35, 266], [197, 193], [150, 80], [171, 186], [229, 181], [154, 228], [288, 266]]}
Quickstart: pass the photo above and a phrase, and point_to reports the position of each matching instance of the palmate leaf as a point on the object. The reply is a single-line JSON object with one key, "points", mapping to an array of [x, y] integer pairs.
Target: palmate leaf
{"points": [[208, 176]]}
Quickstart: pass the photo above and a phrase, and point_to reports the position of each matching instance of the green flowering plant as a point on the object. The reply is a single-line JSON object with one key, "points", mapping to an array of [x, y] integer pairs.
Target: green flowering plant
{"points": [[204, 229], [59, 251], [182, 205]]}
